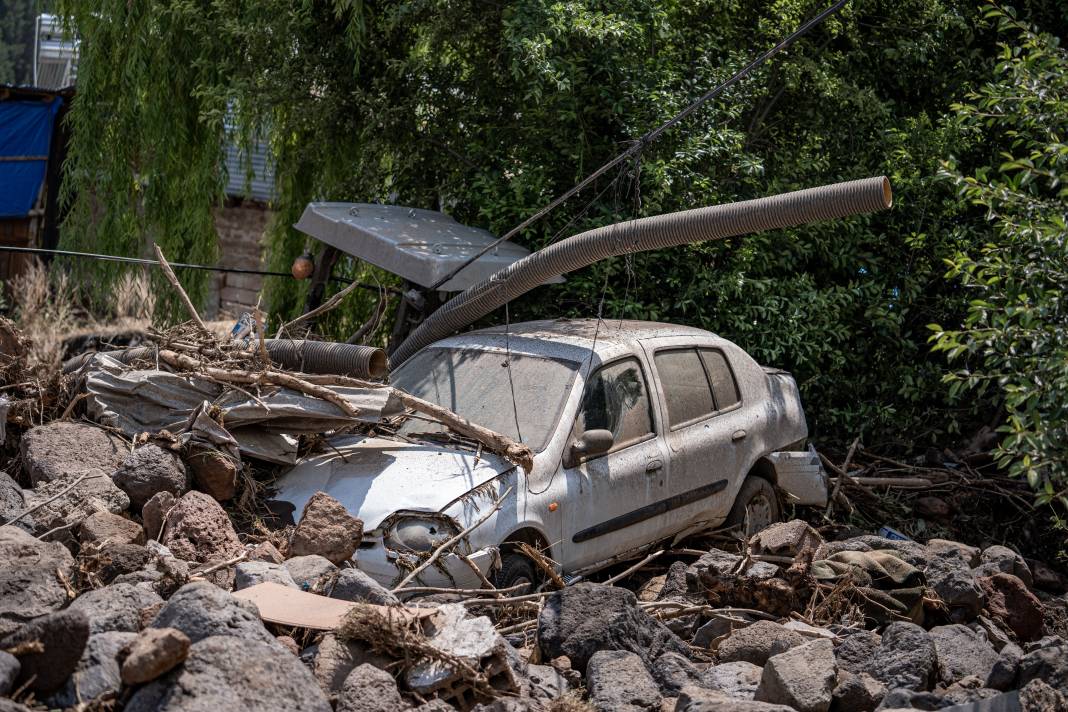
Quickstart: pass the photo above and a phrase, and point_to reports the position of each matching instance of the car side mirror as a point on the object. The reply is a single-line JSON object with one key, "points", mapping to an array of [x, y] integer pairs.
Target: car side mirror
{"points": [[590, 444]]}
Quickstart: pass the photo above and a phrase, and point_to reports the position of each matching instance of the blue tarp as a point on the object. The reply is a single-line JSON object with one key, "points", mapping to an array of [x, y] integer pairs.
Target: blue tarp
{"points": [[25, 134]]}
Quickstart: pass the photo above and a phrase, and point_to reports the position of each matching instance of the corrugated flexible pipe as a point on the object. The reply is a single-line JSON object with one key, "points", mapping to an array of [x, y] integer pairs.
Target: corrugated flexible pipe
{"points": [[296, 355], [654, 233]]}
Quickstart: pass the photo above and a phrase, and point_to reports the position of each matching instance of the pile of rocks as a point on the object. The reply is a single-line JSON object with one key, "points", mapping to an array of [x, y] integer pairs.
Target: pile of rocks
{"points": [[117, 569]]}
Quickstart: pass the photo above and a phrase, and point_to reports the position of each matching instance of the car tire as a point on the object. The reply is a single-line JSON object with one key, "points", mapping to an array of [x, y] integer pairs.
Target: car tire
{"points": [[515, 569], [756, 507]]}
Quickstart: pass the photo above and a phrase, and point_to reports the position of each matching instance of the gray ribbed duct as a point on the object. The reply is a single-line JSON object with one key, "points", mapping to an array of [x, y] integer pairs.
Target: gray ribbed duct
{"points": [[296, 355], [712, 223]]}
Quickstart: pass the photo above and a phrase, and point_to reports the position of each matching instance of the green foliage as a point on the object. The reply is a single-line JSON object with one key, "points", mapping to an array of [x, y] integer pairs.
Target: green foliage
{"points": [[488, 110], [1013, 345], [16, 40]]}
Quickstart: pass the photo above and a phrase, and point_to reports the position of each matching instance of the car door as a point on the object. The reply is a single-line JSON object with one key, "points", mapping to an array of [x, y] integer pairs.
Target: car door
{"points": [[704, 429], [611, 498]]}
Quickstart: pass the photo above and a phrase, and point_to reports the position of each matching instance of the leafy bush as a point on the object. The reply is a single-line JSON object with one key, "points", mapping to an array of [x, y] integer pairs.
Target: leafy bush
{"points": [[1013, 344]]}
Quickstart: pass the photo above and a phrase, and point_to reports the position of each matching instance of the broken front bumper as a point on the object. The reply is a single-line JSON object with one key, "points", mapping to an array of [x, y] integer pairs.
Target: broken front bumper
{"points": [[450, 571], [801, 476]]}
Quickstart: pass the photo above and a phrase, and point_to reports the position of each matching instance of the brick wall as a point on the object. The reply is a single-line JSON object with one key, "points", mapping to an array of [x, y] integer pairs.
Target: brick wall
{"points": [[241, 227]]}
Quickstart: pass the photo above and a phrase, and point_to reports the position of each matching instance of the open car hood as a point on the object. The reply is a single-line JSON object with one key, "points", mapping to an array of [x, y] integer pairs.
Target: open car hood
{"points": [[375, 477]]}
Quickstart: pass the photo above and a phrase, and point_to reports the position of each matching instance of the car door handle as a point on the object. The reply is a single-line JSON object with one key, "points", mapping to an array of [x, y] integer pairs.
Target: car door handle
{"points": [[653, 466], [738, 435]]}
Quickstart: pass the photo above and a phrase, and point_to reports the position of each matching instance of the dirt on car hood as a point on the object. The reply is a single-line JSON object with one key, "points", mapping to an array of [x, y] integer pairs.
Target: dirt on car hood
{"points": [[375, 477]]}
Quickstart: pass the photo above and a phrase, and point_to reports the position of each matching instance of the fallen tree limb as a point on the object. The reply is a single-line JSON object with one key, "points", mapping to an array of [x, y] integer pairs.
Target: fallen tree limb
{"points": [[451, 543], [845, 475], [899, 482], [173, 279], [321, 309], [632, 569]]}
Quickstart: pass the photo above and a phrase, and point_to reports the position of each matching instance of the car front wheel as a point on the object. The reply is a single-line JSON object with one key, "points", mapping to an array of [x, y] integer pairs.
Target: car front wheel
{"points": [[515, 569], [755, 508]]}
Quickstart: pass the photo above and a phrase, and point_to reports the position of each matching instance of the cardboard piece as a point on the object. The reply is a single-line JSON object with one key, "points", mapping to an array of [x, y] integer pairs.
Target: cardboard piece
{"points": [[285, 605]]}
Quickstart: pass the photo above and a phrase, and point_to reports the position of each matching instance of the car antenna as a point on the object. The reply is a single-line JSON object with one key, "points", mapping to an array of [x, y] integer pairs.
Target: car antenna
{"points": [[639, 145]]}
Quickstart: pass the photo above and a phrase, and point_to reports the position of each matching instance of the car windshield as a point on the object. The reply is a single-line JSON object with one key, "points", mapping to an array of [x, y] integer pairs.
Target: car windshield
{"points": [[475, 384]]}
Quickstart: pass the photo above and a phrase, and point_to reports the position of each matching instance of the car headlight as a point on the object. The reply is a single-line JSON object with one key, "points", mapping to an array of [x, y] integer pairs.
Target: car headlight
{"points": [[420, 533]]}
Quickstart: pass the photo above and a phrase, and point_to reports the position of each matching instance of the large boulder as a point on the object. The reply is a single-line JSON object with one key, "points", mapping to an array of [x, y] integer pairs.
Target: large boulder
{"points": [[97, 671], [803, 677], [60, 449], [30, 584], [61, 505], [962, 652], [149, 470], [582, 619], [618, 680], [326, 528], [951, 578], [198, 529], [758, 642], [369, 689], [1009, 601], [201, 610], [224, 672], [116, 607], [903, 657], [61, 637]]}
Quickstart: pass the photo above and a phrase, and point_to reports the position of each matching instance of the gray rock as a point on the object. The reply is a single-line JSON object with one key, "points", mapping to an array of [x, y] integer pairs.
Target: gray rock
{"points": [[857, 693], [199, 529], [29, 582], [312, 572], [202, 610], [123, 559], [1002, 559], [96, 491], [12, 502], [803, 677], [116, 607], [903, 699], [959, 695], [738, 680], [154, 512], [905, 656], [717, 628], [758, 642], [696, 699], [333, 659], [950, 576], [969, 554], [9, 672], [368, 689], [1049, 664], [251, 573], [585, 618], [673, 672], [544, 682], [857, 651], [57, 450], [62, 636], [233, 673], [435, 705], [149, 470], [714, 564], [1003, 675], [1037, 696], [355, 585], [97, 671], [962, 652], [618, 680], [7, 705]]}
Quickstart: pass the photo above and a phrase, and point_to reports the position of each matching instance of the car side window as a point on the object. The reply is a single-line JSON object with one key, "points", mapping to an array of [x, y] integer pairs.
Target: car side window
{"points": [[616, 400], [724, 386], [685, 385]]}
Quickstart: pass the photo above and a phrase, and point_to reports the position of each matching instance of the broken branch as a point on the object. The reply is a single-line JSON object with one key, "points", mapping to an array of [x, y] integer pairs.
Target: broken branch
{"points": [[173, 279], [321, 309]]}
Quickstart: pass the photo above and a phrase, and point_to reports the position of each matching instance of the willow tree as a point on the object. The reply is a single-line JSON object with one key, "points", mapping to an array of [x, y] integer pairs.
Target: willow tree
{"points": [[488, 110]]}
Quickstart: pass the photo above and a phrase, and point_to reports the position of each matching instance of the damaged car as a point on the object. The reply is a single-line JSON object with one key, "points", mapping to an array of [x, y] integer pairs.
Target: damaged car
{"points": [[641, 433]]}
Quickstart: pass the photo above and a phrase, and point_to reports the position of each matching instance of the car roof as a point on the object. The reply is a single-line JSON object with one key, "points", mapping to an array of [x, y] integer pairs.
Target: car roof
{"points": [[571, 338]]}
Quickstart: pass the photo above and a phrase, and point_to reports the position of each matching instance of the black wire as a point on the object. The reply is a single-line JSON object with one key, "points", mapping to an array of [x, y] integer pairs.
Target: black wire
{"points": [[180, 265], [639, 145]]}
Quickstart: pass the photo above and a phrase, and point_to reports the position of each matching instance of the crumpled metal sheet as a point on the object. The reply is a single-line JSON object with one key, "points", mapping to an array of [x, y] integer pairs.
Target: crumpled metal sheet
{"points": [[149, 401]]}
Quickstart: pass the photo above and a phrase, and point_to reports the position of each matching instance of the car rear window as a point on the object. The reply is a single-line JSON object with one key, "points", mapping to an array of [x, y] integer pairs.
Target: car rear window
{"points": [[724, 386], [685, 385]]}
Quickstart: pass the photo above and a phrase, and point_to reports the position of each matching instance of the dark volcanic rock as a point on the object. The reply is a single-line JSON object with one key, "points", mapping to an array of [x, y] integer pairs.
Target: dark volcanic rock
{"points": [[116, 607], [962, 652], [903, 657], [1008, 600], [758, 642], [326, 528], [950, 576], [618, 680], [355, 585], [12, 502], [29, 577], [1048, 664], [368, 689], [62, 637], [149, 470], [232, 673], [202, 610], [97, 671], [582, 619], [198, 529], [59, 449], [674, 672], [9, 672]]}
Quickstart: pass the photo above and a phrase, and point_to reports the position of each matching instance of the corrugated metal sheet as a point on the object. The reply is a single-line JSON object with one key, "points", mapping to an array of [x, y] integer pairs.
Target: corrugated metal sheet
{"points": [[261, 185]]}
